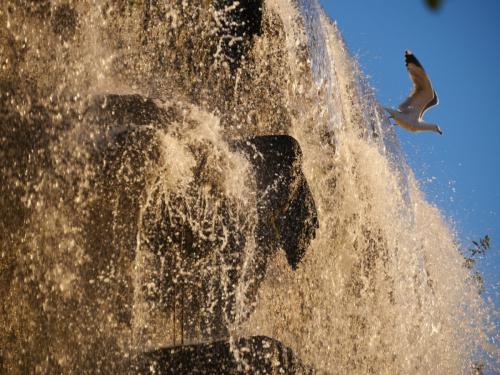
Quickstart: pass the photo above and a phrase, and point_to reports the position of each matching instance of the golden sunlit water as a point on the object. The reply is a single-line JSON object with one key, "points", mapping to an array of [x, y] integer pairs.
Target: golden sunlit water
{"points": [[131, 220]]}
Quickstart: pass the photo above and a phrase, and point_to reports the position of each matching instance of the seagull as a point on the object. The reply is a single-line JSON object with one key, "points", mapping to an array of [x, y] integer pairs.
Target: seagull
{"points": [[409, 113]]}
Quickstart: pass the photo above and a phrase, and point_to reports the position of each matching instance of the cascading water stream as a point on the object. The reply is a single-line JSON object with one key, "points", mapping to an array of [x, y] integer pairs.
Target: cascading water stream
{"points": [[196, 173]]}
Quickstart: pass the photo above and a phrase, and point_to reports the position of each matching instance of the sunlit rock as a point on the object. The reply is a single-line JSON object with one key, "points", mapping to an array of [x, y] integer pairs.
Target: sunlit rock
{"points": [[257, 354], [187, 233]]}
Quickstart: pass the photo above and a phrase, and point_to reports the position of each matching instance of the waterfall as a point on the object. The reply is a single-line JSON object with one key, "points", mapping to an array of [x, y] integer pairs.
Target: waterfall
{"points": [[196, 173]]}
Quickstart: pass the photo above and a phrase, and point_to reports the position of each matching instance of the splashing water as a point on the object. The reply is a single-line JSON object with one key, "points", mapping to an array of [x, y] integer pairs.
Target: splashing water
{"points": [[131, 220]]}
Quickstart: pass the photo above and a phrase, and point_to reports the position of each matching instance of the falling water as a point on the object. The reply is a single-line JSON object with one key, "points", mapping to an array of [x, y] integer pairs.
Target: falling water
{"points": [[132, 220]]}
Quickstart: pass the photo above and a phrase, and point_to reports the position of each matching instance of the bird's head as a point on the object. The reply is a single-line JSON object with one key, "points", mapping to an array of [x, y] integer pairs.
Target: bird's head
{"points": [[438, 130]]}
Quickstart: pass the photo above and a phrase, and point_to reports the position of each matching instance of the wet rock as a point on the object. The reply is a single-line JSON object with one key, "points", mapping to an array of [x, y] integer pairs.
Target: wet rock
{"points": [[217, 232], [233, 24], [287, 213], [193, 238], [129, 110], [240, 22], [224, 65], [192, 234], [258, 354], [64, 21], [287, 216]]}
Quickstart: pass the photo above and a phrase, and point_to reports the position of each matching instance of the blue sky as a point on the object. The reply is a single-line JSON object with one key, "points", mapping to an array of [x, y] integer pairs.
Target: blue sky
{"points": [[459, 46]]}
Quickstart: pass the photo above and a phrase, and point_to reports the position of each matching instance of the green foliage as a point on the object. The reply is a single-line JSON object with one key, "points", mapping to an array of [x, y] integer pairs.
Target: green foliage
{"points": [[470, 254], [481, 247], [434, 4]]}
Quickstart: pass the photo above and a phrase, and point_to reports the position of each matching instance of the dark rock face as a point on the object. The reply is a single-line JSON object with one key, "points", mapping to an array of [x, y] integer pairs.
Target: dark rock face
{"points": [[224, 61], [131, 110], [287, 214], [188, 233], [235, 24], [64, 21], [76, 174], [259, 354], [200, 302], [241, 22], [286, 209], [187, 258]]}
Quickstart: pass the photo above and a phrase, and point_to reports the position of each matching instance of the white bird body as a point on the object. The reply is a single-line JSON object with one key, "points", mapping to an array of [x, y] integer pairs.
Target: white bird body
{"points": [[409, 122], [409, 113]]}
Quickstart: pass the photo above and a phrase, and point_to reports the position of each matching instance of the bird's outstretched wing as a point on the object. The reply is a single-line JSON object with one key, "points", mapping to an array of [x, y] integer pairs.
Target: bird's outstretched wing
{"points": [[423, 95]]}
